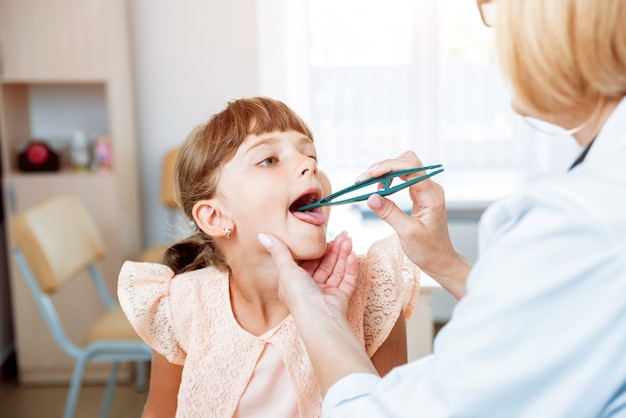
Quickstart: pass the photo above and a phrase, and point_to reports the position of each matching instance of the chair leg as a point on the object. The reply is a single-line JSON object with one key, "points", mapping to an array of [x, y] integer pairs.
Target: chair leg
{"points": [[142, 376], [77, 381], [108, 395]]}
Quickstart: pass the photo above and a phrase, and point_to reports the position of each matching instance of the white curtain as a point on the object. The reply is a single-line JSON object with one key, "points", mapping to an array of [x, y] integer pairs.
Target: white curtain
{"points": [[374, 79]]}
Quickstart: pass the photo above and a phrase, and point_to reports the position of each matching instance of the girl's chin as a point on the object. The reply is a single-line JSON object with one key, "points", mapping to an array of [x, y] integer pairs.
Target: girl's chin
{"points": [[308, 252], [307, 255]]}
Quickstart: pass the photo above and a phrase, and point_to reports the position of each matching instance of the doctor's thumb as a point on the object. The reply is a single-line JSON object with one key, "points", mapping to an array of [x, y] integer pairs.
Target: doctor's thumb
{"points": [[387, 210], [279, 251]]}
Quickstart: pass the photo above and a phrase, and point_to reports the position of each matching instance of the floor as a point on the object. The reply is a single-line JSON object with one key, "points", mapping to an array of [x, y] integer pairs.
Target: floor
{"points": [[49, 401]]}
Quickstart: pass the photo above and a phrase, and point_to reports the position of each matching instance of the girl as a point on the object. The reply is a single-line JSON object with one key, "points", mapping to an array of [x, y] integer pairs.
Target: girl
{"points": [[224, 344]]}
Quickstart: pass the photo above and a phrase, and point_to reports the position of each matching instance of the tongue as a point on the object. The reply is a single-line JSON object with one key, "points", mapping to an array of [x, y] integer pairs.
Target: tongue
{"points": [[315, 218]]}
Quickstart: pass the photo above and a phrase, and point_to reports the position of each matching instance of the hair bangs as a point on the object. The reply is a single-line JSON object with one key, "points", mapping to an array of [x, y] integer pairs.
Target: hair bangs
{"points": [[268, 115]]}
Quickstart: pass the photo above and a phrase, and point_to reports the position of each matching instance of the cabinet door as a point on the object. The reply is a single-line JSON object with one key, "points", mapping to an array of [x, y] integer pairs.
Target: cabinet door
{"points": [[52, 39]]}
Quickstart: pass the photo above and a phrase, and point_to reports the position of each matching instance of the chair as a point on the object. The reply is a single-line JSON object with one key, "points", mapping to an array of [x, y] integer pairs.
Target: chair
{"points": [[154, 253], [55, 241]]}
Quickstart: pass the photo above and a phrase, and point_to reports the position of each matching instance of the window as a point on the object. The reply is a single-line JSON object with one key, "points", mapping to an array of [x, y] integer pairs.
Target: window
{"points": [[374, 79]]}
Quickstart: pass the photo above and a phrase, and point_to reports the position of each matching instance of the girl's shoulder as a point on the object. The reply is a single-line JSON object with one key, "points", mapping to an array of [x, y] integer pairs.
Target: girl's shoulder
{"points": [[144, 273], [161, 305], [387, 286], [143, 286], [386, 261]]}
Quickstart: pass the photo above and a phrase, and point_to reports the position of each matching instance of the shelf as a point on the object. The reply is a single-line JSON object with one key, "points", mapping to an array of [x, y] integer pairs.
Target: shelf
{"points": [[51, 112], [52, 82], [59, 175]]}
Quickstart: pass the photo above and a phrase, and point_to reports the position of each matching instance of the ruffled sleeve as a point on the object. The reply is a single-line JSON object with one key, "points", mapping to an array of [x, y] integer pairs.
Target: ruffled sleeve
{"points": [[143, 290], [388, 285]]}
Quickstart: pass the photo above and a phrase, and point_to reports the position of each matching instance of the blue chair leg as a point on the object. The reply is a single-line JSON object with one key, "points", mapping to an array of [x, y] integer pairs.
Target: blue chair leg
{"points": [[108, 395], [72, 396], [142, 375]]}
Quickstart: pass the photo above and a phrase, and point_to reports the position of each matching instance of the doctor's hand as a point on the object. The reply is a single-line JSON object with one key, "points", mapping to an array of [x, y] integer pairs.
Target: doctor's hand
{"points": [[318, 306], [424, 234], [326, 283], [329, 268]]}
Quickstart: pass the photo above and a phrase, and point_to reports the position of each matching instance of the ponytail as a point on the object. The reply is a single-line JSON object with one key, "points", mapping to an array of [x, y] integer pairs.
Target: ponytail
{"points": [[193, 253]]}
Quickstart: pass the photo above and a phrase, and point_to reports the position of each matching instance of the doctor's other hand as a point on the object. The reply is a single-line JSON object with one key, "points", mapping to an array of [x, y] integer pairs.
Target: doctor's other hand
{"points": [[326, 283], [424, 233]]}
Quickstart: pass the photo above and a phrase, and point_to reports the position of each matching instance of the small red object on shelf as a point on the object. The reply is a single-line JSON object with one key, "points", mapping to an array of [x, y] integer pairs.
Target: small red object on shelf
{"points": [[38, 156]]}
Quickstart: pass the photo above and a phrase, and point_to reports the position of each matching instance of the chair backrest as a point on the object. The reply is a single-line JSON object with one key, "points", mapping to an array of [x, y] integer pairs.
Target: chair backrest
{"points": [[58, 239], [168, 195], [154, 253]]}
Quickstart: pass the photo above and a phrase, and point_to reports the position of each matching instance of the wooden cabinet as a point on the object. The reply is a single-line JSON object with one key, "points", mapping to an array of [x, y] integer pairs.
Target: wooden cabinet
{"points": [[60, 39], [66, 66]]}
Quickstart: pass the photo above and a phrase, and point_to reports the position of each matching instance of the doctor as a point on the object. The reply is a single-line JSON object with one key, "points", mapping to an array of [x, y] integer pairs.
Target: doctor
{"points": [[540, 328]]}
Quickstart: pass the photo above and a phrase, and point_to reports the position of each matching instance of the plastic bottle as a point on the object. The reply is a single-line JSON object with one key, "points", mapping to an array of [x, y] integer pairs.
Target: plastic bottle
{"points": [[102, 155], [79, 151]]}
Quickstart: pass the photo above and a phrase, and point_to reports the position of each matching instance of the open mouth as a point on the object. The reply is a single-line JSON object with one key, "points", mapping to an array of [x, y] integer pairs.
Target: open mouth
{"points": [[305, 199], [312, 216]]}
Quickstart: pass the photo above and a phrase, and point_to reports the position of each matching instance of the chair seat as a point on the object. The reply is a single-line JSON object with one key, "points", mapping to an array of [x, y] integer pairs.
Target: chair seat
{"points": [[112, 325], [153, 254]]}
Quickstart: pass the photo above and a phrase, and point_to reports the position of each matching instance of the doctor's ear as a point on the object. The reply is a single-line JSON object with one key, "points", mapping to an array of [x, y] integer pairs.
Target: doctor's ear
{"points": [[211, 220]]}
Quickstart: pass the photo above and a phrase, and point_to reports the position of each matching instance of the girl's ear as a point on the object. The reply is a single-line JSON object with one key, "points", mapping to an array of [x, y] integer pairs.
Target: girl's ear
{"points": [[211, 220]]}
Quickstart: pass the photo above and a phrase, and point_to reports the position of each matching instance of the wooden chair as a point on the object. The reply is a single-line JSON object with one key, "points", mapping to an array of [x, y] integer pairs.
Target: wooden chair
{"points": [[56, 241], [154, 253]]}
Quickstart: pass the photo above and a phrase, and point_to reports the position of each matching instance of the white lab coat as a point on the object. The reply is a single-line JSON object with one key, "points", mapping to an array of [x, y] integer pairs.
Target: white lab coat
{"points": [[542, 329]]}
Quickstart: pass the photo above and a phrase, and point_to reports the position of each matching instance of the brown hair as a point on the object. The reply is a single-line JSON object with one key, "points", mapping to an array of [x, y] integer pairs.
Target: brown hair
{"points": [[207, 148], [557, 54]]}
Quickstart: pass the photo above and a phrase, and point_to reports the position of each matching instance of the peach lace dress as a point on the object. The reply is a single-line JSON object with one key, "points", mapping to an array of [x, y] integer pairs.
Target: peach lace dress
{"points": [[188, 319]]}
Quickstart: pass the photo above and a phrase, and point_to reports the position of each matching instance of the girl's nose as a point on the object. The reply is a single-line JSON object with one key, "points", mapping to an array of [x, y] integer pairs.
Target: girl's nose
{"points": [[308, 164]]}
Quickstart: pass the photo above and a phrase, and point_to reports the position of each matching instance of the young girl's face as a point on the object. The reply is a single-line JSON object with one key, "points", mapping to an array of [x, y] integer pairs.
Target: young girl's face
{"points": [[270, 176]]}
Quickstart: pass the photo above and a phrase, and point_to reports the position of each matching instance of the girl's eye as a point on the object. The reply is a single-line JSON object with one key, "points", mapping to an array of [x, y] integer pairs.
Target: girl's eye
{"points": [[269, 161]]}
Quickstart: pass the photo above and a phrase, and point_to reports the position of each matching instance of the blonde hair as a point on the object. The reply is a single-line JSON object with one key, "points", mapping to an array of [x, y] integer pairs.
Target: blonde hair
{"points": [[207, 148], [558, 53]]}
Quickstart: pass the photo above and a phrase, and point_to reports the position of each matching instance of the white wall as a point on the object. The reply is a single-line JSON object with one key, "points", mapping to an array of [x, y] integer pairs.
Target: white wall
{"points": [[190, 57]]}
